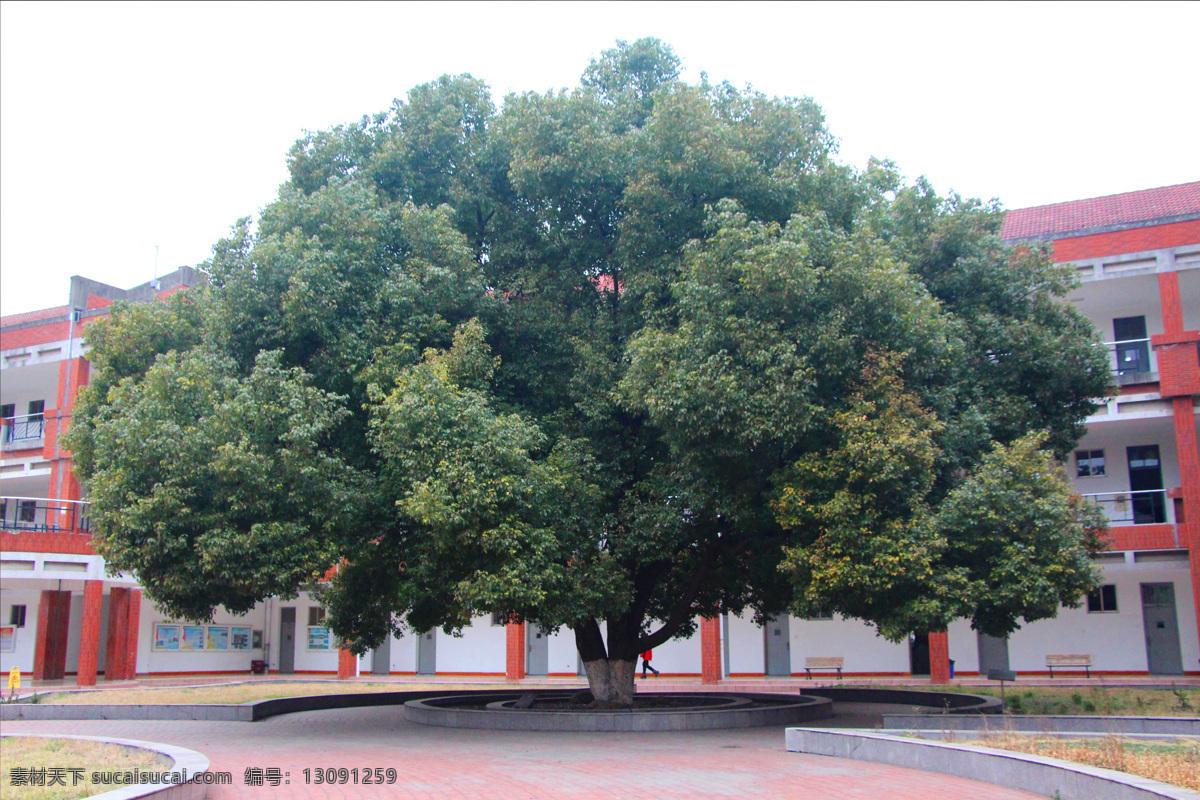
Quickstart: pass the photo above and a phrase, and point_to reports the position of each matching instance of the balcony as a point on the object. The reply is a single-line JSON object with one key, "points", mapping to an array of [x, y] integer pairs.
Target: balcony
{"points": [[41, 515], [1131, 361], [23, 432], [1148, 507]]}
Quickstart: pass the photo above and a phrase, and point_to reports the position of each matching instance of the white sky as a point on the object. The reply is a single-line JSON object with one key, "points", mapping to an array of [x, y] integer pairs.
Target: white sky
{"points": [[126, 126]]}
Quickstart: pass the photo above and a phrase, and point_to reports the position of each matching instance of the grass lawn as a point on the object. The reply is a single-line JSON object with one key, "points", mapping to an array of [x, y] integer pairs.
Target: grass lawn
{"points": [[245, 692], [1175, 761], [1106, 701], [58, 757]]}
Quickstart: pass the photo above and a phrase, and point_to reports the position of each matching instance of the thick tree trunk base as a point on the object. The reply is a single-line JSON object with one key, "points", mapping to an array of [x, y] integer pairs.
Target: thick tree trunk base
{"points": [[611, 682]]}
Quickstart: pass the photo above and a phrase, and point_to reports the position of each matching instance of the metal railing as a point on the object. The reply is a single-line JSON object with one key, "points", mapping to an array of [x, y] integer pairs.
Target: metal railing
{"points": [[1129, 356], [42, 514], [23, 428], [1146, 507]]}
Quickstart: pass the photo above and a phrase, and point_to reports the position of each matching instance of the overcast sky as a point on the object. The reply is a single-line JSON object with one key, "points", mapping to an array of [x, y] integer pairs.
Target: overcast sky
{"points": [[129, 126]]}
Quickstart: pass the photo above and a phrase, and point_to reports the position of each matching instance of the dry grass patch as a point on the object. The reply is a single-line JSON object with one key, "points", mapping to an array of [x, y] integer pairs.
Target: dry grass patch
{"points": [[1173, 761], [242, 692], [44, 753]]}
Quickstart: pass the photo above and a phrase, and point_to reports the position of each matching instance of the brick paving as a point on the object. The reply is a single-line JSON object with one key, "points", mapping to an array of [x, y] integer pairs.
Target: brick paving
{"points": [[436, 763]]}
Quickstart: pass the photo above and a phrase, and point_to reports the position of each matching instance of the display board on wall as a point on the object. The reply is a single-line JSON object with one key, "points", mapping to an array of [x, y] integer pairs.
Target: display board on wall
{"points": [[212, 638], [8, 639], [319, 638]]}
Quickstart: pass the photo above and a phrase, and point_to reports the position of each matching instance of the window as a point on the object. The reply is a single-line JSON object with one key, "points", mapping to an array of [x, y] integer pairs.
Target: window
{"points": [[16, 616], [1089, 463], [36, 407], [820, 614], [27, 510], [1103, 599], [498, 618], [316, 616]]}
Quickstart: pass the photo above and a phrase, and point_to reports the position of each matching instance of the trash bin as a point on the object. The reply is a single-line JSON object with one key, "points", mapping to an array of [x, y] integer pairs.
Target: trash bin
{"points": [[952, 668], [258, 667]]}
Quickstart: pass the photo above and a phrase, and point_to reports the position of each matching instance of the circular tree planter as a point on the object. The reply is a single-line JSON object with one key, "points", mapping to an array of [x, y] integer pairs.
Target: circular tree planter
{"points": [[673, 711]]}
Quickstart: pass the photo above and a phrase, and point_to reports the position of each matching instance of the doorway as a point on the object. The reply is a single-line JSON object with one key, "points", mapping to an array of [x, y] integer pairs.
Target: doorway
{"points": [[993, 653], [777, 646], [1145, 484], [427, 653], [287, 640], [537, 650], [381, 658], [1162, 629], [918, 654]]}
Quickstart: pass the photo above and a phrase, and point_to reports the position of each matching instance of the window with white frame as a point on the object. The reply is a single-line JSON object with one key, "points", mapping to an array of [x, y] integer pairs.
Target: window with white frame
{"points": [[1089, 463]]}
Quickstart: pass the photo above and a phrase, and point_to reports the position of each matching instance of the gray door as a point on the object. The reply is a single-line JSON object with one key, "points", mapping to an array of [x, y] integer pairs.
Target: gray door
{"points": [[287, 640], [427, 653], [537, 651], [381, 658], [1162, 629], [993, 653], [778, 647]]}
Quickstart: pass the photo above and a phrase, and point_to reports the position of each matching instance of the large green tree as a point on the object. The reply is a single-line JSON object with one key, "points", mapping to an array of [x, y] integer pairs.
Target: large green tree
{"points": [[606, 359]]}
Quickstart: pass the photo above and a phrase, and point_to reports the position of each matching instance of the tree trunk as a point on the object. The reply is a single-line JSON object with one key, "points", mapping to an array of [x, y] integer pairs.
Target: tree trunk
{"points": [[611, 681]]}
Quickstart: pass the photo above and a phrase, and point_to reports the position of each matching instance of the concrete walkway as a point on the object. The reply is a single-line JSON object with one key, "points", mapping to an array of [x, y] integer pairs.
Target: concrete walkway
{"points": [[449, 763]]}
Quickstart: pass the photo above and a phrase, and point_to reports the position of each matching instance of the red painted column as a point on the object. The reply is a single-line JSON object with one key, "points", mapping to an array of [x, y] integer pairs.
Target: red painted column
{"points": [[347, 665], [134, 618], [710, 650], [939, 657], [118, 629], [514, 651], [50, 648], [42, 643], [89, 645]]}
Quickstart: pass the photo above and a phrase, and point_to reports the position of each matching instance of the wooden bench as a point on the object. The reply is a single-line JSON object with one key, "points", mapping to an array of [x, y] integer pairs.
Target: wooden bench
{"points": [[1075, 661], [824, 662]]}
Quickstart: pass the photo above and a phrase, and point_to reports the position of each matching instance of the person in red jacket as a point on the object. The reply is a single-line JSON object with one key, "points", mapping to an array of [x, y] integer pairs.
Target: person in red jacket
{"points": [[646, 656]]}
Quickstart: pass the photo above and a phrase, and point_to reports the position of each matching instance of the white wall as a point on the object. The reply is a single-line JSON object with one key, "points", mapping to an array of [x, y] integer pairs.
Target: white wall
{"points": [[26, 637], [855, 641], [150, 660], [1115, 640]]}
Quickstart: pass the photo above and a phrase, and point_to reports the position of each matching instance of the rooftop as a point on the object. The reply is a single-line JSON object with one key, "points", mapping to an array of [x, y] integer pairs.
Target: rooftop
{"points": [[1099, 214]]}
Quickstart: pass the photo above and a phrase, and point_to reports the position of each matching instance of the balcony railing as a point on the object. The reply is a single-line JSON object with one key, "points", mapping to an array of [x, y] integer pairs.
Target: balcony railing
{"points": [[26, 428], [44, 515], [1146, 507], [1129, 356]]}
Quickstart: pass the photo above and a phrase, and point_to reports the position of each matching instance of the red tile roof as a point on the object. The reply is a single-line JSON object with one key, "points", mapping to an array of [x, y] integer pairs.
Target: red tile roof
{"points": [[33, 316], [1099, 212]]}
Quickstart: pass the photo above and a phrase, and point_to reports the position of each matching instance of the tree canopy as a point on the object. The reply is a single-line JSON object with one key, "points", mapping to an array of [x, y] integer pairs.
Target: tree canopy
{"points": [[622, 355]]}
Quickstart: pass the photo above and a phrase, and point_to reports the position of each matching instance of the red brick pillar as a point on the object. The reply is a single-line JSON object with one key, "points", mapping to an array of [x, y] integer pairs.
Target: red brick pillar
{"points": [[347, 665], [89, 644], [939, 657], [710, 650], [50, 648], [514, 651], [1179, 379], [118, 633], [132, 633]]}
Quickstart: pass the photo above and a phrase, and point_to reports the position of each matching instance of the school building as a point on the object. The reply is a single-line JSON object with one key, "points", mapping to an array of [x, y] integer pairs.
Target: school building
{"points": [[1138, 260]]}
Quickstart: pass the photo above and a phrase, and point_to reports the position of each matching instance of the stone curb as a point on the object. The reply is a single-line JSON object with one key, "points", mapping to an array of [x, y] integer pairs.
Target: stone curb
{"points": [[245, 712], [938, 702], [1177, 726], [784, 710], [183, 760], [1048, 777]]}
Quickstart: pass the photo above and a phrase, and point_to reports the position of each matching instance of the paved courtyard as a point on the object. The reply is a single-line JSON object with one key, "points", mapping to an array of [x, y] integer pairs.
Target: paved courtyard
{"points": [[450, 763]]}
